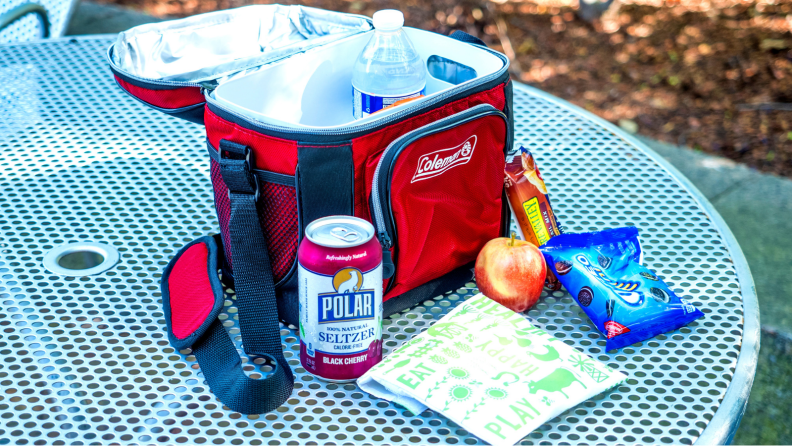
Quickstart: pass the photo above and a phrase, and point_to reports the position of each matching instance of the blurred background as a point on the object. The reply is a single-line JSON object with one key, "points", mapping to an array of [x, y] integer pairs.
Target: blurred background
{"points": [[712, 75], [706, 83]]}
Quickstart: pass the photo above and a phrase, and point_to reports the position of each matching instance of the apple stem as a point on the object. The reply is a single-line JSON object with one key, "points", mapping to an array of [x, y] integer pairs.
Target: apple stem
{"points": [[513, 234]]}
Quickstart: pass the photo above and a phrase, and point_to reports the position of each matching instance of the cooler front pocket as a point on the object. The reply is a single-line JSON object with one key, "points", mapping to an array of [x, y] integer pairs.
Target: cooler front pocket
{"points": [[436, 196]]}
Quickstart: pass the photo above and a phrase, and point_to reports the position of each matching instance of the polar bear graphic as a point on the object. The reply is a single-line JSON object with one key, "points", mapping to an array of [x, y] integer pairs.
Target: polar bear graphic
{"points": [[348, 281], [350, 286]]}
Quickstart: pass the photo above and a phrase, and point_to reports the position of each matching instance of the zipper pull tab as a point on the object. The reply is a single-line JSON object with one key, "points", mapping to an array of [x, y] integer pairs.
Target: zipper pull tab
{"points": [[208, 86], [385, 240], [388, 268]]}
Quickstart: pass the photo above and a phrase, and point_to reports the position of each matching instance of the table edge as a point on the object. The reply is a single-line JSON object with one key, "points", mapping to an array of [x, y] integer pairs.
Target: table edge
{"points": [[723, 425]]}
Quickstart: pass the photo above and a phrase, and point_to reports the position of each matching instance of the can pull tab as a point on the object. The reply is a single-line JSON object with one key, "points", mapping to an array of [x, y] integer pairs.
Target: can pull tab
{"points": [[344, 234]]}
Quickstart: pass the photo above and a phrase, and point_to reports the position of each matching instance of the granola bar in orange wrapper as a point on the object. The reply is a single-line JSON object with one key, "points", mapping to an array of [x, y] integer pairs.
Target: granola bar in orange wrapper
{"points": [[530, 204]]}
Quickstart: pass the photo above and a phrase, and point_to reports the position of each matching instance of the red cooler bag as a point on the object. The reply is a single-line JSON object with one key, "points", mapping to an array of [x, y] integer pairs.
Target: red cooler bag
{"points": [[272, 85]]}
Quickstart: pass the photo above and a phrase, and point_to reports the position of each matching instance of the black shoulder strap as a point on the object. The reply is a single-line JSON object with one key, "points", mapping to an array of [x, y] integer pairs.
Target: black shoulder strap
{"points": [[184, 288]]}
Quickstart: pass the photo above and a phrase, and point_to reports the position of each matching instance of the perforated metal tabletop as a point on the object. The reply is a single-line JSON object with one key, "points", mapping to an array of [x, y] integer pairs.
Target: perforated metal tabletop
{"points": [[30, 26], [85, 360]]}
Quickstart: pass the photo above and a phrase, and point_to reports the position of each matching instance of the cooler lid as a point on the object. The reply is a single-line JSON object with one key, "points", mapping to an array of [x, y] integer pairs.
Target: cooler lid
{"points": [[206, 48]]}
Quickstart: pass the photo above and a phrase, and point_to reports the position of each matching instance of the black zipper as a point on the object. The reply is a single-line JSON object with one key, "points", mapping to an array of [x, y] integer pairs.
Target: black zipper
{"points": [[382, 211]]}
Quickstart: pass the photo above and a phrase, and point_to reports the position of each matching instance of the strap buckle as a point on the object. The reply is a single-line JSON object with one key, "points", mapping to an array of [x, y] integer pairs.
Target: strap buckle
{"points": [[249, 168], [236, 166]]}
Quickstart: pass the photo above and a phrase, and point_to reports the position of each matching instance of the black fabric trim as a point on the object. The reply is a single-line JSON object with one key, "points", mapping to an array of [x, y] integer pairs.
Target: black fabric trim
{"points": [[192, 114], [286, 289], [274, 177], [326, 182], [448, 282], [299, 212], [297, 135], [508, 90], [505, 215], [262, 175]]}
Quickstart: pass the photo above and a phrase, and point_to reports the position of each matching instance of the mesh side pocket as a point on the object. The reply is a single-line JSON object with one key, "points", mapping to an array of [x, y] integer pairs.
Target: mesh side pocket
{"points": [[222, 206], [277, 209], [278, 214]]}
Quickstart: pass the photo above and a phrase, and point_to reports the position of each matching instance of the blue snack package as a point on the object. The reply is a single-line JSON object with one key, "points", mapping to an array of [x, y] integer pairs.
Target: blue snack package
{"points": [[625, 300]]}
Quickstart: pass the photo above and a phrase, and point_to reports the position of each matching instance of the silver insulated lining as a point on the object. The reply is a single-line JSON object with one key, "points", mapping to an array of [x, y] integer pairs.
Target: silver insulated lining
{"points": [[217, 44]]}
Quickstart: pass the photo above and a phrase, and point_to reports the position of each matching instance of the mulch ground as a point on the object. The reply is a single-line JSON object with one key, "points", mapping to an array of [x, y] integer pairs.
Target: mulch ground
{"points": [[714, 75]]}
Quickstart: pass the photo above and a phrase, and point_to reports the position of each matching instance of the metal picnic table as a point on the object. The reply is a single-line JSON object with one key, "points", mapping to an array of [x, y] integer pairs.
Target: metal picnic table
{"points": [[85, 360]]}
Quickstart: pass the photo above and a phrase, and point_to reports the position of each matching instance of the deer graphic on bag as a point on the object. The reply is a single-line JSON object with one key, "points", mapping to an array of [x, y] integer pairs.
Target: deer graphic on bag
{"points": [[555, 382]]}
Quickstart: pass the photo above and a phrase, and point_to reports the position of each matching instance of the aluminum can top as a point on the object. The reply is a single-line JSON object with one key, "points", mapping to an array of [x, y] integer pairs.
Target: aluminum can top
{"points": [[339, 231]]}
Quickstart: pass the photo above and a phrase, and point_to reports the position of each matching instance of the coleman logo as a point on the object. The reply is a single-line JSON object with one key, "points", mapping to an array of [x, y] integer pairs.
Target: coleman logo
{"points": [[435, 163]]}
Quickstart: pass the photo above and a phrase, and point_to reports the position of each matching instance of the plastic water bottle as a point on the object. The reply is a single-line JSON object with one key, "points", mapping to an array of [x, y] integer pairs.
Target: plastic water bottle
{"points": [[388, 69]]}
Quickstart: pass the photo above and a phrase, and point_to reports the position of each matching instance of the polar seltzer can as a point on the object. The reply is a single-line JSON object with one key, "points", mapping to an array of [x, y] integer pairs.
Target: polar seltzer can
{"points": [[340, 286]]}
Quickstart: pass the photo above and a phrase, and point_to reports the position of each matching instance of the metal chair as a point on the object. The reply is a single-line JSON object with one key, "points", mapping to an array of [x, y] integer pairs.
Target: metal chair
{"points": [[24, 20]]}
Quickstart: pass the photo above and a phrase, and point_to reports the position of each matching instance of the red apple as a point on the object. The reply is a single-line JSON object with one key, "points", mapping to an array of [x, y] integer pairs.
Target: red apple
{"points": [[511, 272]]}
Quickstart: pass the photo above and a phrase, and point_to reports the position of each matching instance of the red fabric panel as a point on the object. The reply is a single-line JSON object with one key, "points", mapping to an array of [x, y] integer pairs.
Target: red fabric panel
{"points": [[273, 154], [444, 217], [172, 98], [366, 150], [191, 297]]}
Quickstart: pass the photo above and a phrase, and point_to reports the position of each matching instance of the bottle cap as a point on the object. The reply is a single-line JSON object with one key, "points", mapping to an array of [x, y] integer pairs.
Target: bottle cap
{"points": [[388, 20]]}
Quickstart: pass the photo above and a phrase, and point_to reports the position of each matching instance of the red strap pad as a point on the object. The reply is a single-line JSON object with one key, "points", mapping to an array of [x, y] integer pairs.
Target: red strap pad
{"points": [[192, 295]]}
